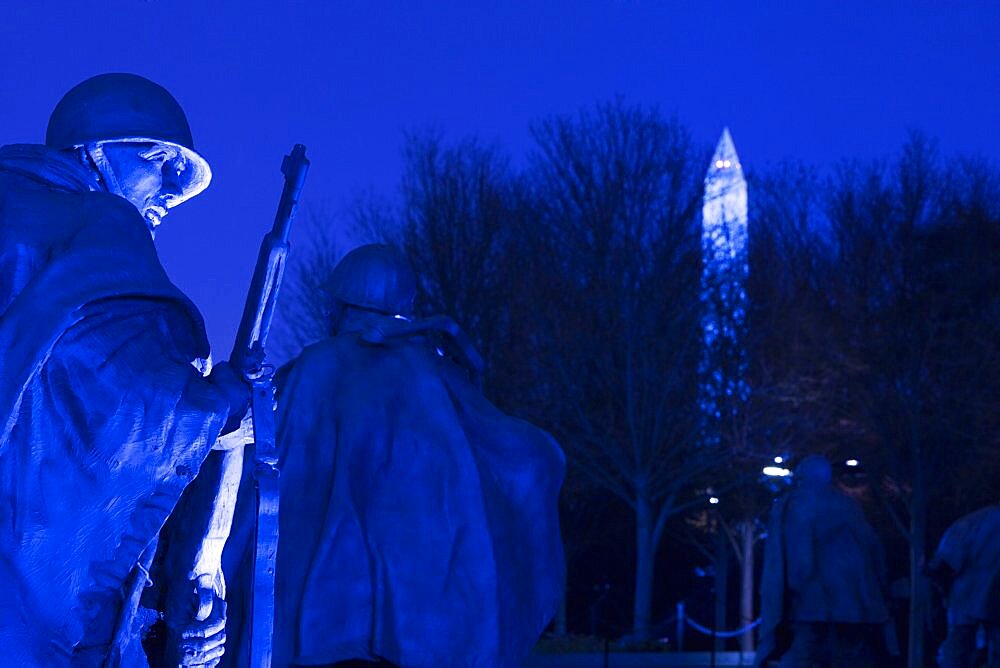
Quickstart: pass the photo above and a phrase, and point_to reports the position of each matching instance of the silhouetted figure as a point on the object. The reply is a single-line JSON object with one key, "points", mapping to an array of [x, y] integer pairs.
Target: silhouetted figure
{"points": [[967, 567], [822, 586], [105, 420], [418, 523]]}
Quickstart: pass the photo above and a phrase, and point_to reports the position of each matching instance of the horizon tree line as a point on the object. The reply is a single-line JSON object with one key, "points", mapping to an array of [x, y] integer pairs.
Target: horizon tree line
{"points": [[872, 329]]}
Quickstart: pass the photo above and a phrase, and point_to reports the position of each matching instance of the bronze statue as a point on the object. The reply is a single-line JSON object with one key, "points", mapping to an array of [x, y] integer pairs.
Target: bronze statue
{"points": [[418, 523], [967, 567], [822, 599], [105, 417]]}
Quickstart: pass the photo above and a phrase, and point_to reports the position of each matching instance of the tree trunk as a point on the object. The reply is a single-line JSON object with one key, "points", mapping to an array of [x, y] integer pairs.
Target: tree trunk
{"points": [[919, 592], [746, 584], [721, 587], [645, 552], [560, 625]]}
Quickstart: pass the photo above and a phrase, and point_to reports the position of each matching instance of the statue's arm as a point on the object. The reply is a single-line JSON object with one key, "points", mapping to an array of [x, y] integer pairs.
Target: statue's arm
{"points": [[134, 354]]}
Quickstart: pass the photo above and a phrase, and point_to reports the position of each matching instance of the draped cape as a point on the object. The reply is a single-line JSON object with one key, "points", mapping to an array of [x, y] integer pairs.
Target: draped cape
{"points": [[104, 420], [418, 523], [971, 547], [822, 563]]}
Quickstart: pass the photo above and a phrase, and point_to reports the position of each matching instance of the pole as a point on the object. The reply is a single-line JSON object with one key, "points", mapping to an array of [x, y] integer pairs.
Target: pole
{"points": [[680, 626]]}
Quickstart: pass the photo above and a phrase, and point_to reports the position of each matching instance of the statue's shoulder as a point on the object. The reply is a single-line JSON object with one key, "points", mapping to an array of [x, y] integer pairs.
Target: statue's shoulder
{"points": [[112, 214], [24, 202], [321, 349], [988, 514], [317, 357], [977, 520], [69, 213]]}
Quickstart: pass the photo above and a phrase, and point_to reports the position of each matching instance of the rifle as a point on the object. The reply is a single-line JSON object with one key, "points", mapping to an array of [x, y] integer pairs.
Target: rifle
{"points": [[248, 358]]}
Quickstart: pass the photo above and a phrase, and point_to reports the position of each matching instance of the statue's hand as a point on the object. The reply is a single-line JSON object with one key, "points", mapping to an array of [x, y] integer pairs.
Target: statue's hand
{"points": [[198, 638], [239, 437], [236, 391]]}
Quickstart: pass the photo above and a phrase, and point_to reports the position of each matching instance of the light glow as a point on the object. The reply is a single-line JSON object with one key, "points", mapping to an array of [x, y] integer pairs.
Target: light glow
{"points": [[713, 500], [776, 472], [852, 462], [723, 365], [779, 460]]}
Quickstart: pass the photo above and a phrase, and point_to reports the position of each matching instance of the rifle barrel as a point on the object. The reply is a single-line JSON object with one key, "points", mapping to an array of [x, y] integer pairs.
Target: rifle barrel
{"points": [[258, 311]]}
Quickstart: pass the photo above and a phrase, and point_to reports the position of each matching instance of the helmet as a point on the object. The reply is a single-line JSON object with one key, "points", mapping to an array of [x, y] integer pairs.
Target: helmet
{"points": [[814, 470], [126, 108], [376, 277]]}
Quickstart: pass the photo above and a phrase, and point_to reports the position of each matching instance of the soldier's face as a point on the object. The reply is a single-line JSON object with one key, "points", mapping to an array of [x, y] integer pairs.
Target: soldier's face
{"points": [[151, 176]]}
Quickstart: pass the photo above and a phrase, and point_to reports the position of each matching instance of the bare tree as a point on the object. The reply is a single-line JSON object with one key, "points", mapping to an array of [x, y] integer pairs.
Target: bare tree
{"points": [[462, 223], [914, 286], [461, 218], [302, 308], [324, 234], [793, 381], [616, 192]]}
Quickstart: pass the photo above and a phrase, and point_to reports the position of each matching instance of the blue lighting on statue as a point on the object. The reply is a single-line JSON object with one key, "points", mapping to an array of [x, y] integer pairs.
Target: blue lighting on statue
{"points": [[108, 417], [406, 497]]}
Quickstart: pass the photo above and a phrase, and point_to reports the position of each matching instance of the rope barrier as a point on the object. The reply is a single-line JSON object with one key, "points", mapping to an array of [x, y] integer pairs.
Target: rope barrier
{"points": [[721, 634]]}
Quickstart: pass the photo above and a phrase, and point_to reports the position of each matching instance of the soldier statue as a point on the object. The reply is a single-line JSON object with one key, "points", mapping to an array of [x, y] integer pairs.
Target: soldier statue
{"points": [[105, 417], [967, 567], [418, 523], [822, 599]]}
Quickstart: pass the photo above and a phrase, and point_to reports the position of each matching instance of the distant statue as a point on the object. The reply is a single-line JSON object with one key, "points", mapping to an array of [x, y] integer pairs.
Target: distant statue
{"points": [[105, 419], [418, 523], [967, 567], [822, 586]]}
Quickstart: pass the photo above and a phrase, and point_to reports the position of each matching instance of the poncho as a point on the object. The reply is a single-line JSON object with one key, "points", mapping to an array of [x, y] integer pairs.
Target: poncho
{"points": [[822, 563], [418, 523], [104, 419], [971, 547]]}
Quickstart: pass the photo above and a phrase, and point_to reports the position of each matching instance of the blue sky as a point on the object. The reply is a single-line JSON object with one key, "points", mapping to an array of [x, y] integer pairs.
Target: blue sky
{"points": [[815, 81]]}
